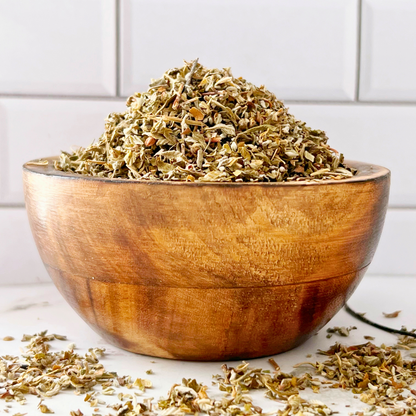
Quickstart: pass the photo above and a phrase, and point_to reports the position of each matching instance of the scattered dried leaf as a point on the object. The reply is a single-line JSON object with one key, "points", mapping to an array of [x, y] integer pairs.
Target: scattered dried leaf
{"points": [[343, 331], [40, 162], [8, 338], [392, 314]]}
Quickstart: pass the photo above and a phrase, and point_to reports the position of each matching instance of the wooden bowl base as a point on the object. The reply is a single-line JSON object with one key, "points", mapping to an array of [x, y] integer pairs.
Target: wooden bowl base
{"points": [[184, 330]]}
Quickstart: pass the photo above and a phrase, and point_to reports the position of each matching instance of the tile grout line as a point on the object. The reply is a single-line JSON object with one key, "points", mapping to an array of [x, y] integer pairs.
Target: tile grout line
{"points": [[403, 207], [362, 103], [117, 51], [6, 205], [64, 97], [390, 275], [288, 102], [358, 57]]}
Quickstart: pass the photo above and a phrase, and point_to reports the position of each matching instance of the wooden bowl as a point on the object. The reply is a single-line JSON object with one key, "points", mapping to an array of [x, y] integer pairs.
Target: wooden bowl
{"points": [[206, 271]]}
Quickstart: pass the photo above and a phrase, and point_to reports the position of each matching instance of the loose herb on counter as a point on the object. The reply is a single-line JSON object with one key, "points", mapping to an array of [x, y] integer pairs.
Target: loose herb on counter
{"points": [[380, 375]]}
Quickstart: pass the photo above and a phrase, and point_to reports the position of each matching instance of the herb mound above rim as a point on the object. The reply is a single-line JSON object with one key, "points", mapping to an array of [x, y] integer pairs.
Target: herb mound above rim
{"points": [[204, 125]]}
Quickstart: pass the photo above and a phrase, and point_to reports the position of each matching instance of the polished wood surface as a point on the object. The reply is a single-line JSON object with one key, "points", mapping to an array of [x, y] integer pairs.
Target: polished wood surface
{"points": [[208, 271]]}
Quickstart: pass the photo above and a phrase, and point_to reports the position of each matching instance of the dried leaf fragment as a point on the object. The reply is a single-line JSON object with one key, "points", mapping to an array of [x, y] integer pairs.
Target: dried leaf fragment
{"points": [[40, 162], [150, 141], [8, 338], [60, 337], [45, 409], [392, 314], [343, 331], [274, 364], [198, 114], [142, 384]]}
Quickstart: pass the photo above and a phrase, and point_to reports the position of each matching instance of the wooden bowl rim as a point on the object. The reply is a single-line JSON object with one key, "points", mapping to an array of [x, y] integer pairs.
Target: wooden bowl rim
{"points": [[365, 172]]}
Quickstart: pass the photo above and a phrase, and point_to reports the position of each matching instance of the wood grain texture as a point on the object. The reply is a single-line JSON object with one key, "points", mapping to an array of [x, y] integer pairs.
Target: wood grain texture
{"points": [[207, 271]]}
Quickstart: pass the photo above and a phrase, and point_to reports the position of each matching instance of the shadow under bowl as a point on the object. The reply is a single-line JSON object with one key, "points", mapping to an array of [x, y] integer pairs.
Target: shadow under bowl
{"points": [[206, 271]]}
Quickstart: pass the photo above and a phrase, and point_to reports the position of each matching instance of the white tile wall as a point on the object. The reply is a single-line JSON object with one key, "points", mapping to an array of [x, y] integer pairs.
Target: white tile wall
{"points": [[299, 49], [382, 135], [388, 51], [19, 259], [396, 251], [303, 51], [58, 47], [34, 128]]}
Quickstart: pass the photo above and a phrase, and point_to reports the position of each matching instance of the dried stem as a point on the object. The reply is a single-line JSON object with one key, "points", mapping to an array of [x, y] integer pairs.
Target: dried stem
{"points": [[190, 74], [178, 97], [376, 325]]}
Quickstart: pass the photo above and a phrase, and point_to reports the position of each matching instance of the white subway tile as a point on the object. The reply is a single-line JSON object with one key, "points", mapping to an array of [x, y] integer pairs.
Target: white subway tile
{"points": [[388, 52], [378, 134], [58, 47], [300, 50], [395, 254], [19, 259], [35, 128]]}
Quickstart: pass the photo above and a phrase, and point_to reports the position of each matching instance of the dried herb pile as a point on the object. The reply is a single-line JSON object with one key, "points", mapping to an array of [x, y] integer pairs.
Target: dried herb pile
{"points": [[378, 374], [43, 373], [200, 124]]}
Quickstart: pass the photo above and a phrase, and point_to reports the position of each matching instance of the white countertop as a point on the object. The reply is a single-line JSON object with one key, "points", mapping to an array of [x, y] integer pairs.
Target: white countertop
{"points": [[29, 309]]}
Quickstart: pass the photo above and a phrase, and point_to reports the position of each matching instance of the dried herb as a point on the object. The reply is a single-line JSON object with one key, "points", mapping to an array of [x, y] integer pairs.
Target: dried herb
{"points": [[44, 409], [408, 341], [298, 406], [343, 331], [142, 384], [378, 374], [46, 373], [392, 314], [40, 162], [191, 397], [204, 125]]}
